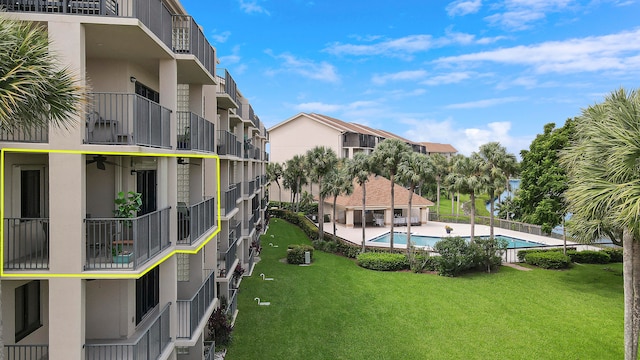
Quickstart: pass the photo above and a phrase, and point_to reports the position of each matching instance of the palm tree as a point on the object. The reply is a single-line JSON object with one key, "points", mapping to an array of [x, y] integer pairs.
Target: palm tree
{"points": [[388, 155], [467, 178], [34, 91], [321, 160], [440, 171], [337, 182], [274, 174], [294, 177], [413, 171], [359, 168], [604, 188], [495, 164]]}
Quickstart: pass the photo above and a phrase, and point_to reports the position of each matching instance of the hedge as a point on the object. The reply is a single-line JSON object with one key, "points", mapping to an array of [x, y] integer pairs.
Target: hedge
{"points": [[295, 253], [383, 261], [548, 260], [614, 253], [589, 257], [523, 253]]}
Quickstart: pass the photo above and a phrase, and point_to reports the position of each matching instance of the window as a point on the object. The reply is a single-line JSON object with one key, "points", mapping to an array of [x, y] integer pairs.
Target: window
{"points": [[147, 293], [27, 309], [183, 267], [146, 92], [30, 194]]}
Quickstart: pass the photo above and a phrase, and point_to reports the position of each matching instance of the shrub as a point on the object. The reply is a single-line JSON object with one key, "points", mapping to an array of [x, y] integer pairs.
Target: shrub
{"points": [[456, 256], [490, 253], [589, 257], [420, 261], [383, 261], [523, 253], [295, 253], [548, 259], [219, 327], [615, 254]]}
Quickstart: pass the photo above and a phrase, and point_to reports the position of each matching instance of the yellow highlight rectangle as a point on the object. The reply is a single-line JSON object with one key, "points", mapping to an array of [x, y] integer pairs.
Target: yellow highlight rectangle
{"points": [[84, 152]]}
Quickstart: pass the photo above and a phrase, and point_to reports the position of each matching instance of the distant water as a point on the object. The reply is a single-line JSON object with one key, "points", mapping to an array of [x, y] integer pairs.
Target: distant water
{"points": [[514, 184]]}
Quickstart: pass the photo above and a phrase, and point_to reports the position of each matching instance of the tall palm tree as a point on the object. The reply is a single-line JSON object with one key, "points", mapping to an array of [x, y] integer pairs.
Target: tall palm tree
{"points": [[294, 177], [360, 168], [337, 182], [320, 160], [274, 174], [440, 171], [495, 164], [34, 90], [604, 188], [413, 171], [387, 155], [467, 178]]}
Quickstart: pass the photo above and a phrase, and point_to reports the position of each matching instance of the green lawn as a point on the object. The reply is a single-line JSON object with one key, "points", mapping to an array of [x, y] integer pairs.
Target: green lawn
{"points": [[334, 309], [445, 205]]}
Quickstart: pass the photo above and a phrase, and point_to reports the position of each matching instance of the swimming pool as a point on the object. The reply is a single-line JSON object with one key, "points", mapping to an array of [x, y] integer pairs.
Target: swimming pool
{"points": [[400, 238]]}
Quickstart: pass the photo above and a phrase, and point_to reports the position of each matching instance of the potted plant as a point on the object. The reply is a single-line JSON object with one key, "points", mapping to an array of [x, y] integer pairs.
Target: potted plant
{"points": [[127, 205], [448, 228]]}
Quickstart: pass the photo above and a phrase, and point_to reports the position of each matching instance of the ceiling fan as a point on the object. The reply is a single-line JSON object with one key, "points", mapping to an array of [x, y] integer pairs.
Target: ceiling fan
{"points": [[181, 161], [100, 161]]}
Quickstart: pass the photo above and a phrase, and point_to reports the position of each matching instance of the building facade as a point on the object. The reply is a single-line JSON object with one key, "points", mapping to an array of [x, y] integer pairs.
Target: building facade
{"points": [[163, 123]]}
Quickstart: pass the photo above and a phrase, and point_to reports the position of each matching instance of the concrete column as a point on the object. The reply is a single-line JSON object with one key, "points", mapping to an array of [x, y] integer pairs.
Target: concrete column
{"points": [[66, 318]]}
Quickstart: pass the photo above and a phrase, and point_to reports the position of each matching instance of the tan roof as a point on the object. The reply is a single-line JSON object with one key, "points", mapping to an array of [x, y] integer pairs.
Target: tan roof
{"points": [[439, 148], [379, 195]]}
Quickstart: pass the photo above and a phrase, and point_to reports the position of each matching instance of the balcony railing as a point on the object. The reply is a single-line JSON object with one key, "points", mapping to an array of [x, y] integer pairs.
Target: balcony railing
{"points": [[127, 119], [233, 302], [126, 244], [29, 134], [149, 345], [189, 39], [26, 352], [250, 187], [231, 195], [26, 243], [195, 132], [229, 257], [209, 350], [192, 311], [228, 86], [152, 13], [228, 144], [249, 225], [195, 220]]}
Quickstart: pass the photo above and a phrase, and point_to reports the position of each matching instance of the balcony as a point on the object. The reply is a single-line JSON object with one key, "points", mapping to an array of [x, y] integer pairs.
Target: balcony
{"points": [[195, 220], [209, 350], [233, 302], [150, 344], [126, 244], [228, 258], [249, 225], [228, 144], [191, 312], [195, 133], [189, 39], [227, 95], [26, 352], [26, 243], [250, 187], [231, 196], [152, 13], [127, 119], [29, 134]]}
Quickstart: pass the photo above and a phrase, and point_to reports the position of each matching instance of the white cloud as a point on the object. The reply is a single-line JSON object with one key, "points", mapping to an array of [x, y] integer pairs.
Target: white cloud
{"points": [[220, 38], [617, 52], [252, 6], [322, 71], [317, 107], [320, 107], [484, 103], [521, 14], [398, 76], [451, 78], [233, 58], [463, 7]]}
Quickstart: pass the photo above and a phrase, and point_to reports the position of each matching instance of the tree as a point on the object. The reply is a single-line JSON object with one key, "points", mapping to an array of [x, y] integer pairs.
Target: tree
{"points": [[274, 174], [604, 188], [34, 91], [467, 178], [414, 170], [321, 161], [337, 182], [359, 168], [440, 171], [540, 199], [294, 177], [495, 164], [387, 155]]}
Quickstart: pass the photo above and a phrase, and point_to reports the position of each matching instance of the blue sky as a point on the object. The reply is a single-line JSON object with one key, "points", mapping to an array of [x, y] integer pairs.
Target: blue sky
{"points": [[462, 72]]}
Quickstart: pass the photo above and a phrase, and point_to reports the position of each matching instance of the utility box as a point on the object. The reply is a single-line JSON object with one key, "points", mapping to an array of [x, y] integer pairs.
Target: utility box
{"points": [[307, 257]]}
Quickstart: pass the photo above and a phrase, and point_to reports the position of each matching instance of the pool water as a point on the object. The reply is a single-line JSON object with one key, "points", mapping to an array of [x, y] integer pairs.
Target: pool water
{"points": [[421, 240]]}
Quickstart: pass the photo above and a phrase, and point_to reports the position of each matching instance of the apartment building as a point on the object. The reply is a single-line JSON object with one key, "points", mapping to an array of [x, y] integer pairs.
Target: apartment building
{"points": [[164, 122]]}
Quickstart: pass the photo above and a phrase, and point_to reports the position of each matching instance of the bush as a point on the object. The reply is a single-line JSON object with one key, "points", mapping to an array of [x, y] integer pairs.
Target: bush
{"points": [[615, 254], [523, 253], [420, 261], [219, 327], [383, 261], [456, 256], [295, 253], [548, 259], [490, 253], [589, 257]]}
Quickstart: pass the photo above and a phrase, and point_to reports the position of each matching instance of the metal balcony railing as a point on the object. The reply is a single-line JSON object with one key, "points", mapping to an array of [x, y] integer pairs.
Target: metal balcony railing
{"points": [[152, 13], [250, 187], [230, 257], [148, 345], [127, 119], [195, 132], [126, 244], [228, 86], [195, 220], [29, 134], [27, 352], [209, 350], [230, 197], [192, 311], [26, 243], [228, 143], [233, 302], [188, 38]]}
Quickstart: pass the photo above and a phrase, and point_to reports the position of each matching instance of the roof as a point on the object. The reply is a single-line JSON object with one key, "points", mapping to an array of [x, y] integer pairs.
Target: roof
{"points": [[438, 148], [378, 190]]}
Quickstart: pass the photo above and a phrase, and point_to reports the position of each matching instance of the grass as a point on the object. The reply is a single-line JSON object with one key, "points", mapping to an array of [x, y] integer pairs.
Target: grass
{"points": [[445, 205], [334, 309]]}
